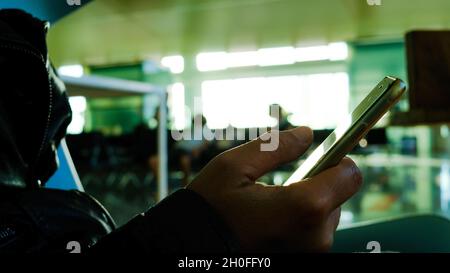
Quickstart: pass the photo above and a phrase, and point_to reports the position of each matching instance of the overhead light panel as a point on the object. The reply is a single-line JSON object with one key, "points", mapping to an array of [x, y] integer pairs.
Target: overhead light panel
{"points": [[174, 63]]}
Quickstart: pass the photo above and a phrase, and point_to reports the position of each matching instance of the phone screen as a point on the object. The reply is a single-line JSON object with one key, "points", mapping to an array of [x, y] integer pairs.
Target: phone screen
{"points": [[349, 131], [319, 152]]}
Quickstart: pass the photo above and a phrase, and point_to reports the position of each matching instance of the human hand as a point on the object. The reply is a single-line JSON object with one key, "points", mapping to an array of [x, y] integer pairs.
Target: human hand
{"points": [[300, 217]]}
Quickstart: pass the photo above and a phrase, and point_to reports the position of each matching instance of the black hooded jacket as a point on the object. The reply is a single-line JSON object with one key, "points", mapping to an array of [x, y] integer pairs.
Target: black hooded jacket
{"points": [[34, 115]]}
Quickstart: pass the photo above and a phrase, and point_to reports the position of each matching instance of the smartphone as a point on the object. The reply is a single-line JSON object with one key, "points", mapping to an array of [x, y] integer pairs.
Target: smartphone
{"points": [[347, 134]]}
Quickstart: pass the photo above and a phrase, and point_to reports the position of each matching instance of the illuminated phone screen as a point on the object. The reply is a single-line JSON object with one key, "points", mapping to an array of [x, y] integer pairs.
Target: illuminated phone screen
{"points": [[319, 152], [349, 125]]}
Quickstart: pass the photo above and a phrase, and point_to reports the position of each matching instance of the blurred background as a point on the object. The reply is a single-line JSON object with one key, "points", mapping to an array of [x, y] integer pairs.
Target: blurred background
{"points": [[225, 62]]}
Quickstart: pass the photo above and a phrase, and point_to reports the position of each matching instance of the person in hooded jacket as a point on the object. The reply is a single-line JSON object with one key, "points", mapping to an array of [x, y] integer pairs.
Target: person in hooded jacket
{"points": [[223, 210]]}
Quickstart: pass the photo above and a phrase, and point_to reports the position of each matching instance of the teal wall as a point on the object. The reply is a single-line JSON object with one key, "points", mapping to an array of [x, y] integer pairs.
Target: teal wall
{"points": [[122, 114], [118, 115], [114, 116], [131, 72], [49, 10], [370, 63]]}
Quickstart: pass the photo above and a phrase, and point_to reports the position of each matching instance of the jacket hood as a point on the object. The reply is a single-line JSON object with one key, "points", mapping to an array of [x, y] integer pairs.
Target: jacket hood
{"points": [[34, 109]]}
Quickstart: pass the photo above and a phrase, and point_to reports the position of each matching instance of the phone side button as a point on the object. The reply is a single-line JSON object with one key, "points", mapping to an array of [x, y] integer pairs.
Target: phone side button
{"points": [[360, 129]]}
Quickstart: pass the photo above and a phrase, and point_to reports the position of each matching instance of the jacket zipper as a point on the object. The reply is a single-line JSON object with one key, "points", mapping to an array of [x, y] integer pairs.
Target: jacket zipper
{"points": [[33, 53]]}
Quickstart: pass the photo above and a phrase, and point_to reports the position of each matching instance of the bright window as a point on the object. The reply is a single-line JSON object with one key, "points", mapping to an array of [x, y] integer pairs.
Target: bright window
{"points": [[78, 105], [210, 61], [174, 63], [317, 100], [74, 70], [176, 105]]}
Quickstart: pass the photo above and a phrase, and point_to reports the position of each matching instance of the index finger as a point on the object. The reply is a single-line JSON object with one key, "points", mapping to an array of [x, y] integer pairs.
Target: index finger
{"points": [[255, 162]]}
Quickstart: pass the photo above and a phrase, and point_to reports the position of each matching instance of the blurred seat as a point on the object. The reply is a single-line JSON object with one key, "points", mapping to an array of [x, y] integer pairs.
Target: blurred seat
{"points": [[427, 233]]}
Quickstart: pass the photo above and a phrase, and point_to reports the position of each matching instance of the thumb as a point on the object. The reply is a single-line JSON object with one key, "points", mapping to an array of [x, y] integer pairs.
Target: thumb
{"points": [[333, 186], [255, 162]]}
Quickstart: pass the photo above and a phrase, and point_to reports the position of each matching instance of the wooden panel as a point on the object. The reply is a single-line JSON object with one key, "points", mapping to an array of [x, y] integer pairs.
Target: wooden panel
{"points": [[429, 70]]}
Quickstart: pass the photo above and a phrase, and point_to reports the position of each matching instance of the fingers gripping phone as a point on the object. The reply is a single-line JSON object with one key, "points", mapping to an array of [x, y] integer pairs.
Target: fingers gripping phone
{"points": [[342, 140]]}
